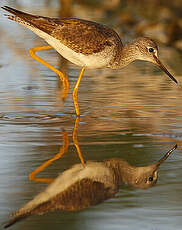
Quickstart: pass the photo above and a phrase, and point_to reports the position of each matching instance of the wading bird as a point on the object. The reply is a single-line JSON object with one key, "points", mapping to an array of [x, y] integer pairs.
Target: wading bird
{"points": [[86, 44]]}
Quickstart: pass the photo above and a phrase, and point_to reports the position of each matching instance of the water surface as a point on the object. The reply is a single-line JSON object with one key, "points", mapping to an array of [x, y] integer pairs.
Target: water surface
{"points": [[133, 113]]}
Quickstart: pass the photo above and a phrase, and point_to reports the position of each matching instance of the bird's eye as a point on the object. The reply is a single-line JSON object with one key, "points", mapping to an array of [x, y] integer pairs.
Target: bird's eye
{"points": [[151, 50], [150, 179]]}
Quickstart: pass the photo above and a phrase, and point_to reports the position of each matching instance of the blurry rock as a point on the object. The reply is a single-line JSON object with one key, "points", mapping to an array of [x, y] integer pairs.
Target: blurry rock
{"points": [[111, 4], [180, 23], [127, 19], [65, 8], [164, 26], [174, 31], [155, 31], [140, 26], [178, 44], [166, 14]]}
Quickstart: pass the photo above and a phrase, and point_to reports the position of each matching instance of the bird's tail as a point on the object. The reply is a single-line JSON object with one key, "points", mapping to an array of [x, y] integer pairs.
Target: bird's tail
{"points": [[15, 219], [29, 20], [17, 13], [18, 16]]}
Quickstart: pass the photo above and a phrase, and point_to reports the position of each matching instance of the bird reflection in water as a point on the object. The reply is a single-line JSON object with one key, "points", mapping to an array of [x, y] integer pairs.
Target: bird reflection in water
{"points": [[87, 184]]}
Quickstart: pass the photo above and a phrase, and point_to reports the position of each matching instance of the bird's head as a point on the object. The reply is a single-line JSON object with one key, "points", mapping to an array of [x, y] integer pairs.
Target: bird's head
{"points": [[147, 50]]}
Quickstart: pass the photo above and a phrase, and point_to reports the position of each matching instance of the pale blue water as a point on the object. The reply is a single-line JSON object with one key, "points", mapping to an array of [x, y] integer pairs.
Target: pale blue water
{"points": [[133, 113]]}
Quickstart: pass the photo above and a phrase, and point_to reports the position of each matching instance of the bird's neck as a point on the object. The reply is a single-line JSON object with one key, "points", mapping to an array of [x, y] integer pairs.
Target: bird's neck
{"points": [[124, 173], [125, 55]]}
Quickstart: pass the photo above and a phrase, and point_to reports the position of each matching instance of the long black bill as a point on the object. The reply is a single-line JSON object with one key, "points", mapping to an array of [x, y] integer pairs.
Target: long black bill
{"points": [[158, 62], [166, 155]]}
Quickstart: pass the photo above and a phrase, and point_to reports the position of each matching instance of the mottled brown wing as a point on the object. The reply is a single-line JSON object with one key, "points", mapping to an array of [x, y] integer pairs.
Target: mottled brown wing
{"points": [[85, 36], [82, 36]]}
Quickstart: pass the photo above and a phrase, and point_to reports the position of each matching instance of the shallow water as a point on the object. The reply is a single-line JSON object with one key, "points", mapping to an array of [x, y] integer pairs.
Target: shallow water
{"points": [[133, 113]]}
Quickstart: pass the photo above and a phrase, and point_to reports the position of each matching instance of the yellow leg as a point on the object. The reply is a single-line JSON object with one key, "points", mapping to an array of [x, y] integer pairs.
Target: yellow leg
{"points": [[63, 149], [62, 76], [75, 141], [75, 92]]}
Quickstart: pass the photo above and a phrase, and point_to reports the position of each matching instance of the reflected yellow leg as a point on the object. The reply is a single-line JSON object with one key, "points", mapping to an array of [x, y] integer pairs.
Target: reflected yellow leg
{"points": [[75, 141], [75, 92], [63, 149], [62, 76]]}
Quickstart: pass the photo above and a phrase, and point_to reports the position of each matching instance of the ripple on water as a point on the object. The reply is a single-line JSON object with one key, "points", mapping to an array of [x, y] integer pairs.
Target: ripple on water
{"points": [[171, 135], [33, 118]]}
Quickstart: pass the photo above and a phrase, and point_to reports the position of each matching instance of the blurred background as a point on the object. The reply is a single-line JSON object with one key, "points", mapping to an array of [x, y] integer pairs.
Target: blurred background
{"points": [[133, 113]]}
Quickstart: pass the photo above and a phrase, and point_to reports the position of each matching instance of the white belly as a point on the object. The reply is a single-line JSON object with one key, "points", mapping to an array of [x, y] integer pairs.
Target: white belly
{"points": [[97, 60]]}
